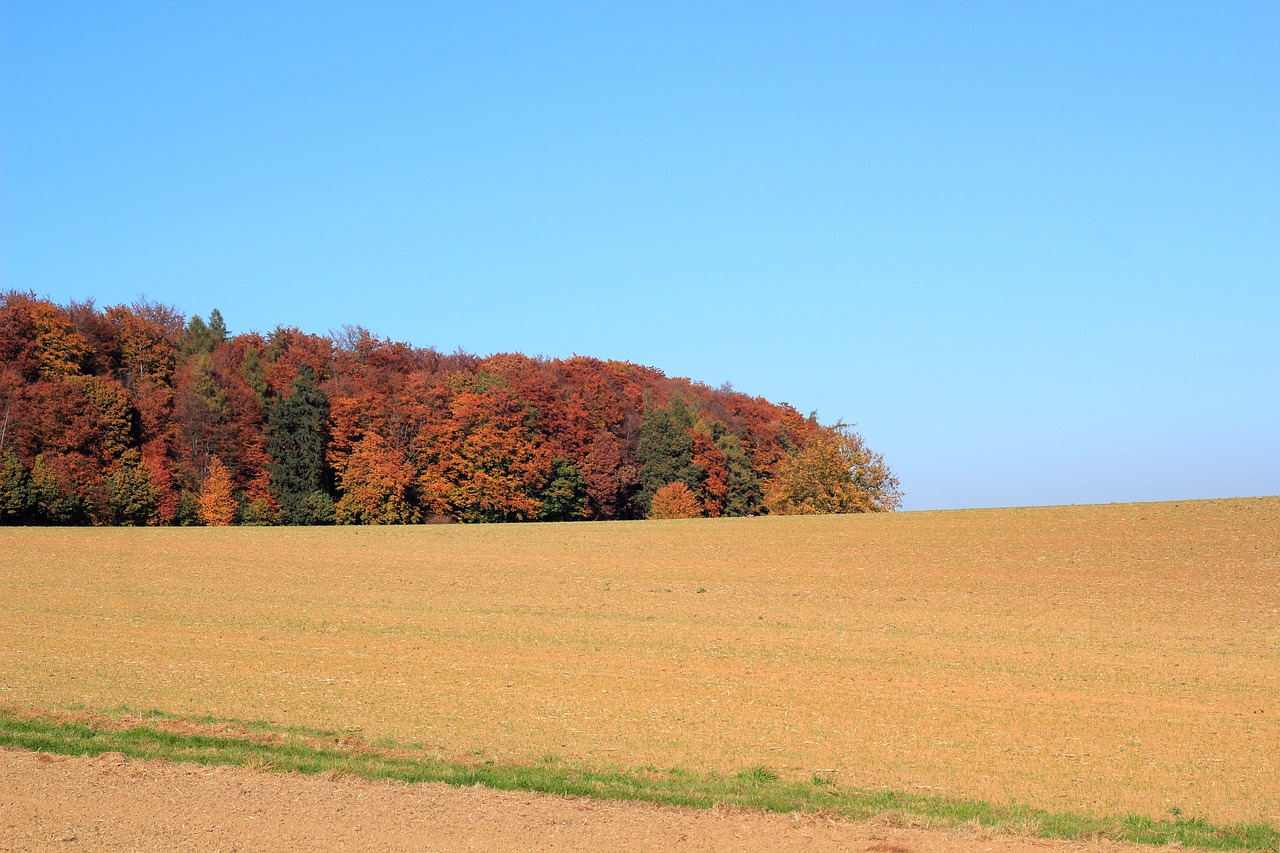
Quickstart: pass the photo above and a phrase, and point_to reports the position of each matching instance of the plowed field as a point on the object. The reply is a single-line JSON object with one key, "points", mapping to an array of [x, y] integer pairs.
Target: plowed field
{"points": [[1102, 659]]}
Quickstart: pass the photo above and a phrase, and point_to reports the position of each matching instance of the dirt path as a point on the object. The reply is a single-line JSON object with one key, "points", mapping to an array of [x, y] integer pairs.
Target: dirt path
{"points": [[114, 803]]}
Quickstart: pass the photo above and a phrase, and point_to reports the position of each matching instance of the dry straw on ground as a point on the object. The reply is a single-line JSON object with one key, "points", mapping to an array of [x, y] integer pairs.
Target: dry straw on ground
{"points": [[1101, 659]]}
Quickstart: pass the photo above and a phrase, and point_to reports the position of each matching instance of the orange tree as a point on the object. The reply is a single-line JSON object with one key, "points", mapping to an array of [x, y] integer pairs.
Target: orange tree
{"points": [[674, 500], [217, 502], [377, 483]]}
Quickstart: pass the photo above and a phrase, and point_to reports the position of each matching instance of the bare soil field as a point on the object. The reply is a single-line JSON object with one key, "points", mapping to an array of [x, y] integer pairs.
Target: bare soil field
{"points": [[1099, 659], [111, 803]]}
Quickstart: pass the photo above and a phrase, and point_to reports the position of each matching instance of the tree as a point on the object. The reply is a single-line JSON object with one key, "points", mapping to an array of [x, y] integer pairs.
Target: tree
{"points": [[133, 498], [217, 498], [109, 404], [259, 512], [17, 501], [674, 500], [743, 495], [217, 327], [665, 450], [833, 473], [607, 479], [56, 503], [317, 508], [254, 373], [187, 512], [146, 337], [200, 337], [564, 497], [62, 349], [196, 337], [713, 473], [485, 462], [377, 484], [202, 414], [299, 420], [295, 445]]}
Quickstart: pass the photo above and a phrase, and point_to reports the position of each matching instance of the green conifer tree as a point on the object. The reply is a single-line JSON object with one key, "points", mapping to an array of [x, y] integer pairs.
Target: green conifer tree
{"points": [[565, 495], [133, 498], [217, 327], [745, 496], [296, 427], [17, 501], [665, 449], [52, 503]]}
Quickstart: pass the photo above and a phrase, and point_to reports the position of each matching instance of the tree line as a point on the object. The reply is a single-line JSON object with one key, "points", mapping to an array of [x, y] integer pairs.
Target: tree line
{"points": [[138, 415]]}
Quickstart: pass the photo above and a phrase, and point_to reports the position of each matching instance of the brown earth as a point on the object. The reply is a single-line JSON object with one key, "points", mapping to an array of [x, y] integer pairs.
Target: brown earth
{"points": [[1096, 659], [113, 803]]}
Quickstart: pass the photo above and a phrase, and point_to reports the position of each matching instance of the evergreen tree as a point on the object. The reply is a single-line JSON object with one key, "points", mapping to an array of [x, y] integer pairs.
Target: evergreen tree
{"points": [[217, 327], [187, 513], [564, 497], [295, 444], [195, 337], [200, 337], [744, 496], [17, 501], [133, 498], [665, 451], [52, 503], [255, 374]]}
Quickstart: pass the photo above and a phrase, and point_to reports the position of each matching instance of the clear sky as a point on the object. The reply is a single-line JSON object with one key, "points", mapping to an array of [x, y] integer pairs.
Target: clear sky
{"points": [[1032, 249]]}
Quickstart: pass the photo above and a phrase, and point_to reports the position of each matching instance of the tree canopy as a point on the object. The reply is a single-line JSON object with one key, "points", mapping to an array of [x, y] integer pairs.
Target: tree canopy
{"points": [[135, 414]]}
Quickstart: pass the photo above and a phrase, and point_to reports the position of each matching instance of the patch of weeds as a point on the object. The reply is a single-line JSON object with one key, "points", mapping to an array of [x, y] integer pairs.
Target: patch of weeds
{"points": [[758, 775]]}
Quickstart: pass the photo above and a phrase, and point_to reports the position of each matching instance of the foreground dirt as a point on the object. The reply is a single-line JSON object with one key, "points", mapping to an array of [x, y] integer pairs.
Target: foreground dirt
{"points": [[113, 803]]}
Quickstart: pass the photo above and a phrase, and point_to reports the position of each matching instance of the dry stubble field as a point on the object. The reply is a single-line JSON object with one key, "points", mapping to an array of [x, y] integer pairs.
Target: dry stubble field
{"points": [[1104, 659]]}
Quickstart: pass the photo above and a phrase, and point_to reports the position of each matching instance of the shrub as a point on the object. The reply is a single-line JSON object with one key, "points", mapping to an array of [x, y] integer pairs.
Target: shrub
{"points": [[674, 500]]}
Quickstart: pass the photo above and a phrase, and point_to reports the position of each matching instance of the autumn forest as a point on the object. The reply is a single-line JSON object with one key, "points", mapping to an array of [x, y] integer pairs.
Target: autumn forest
{"points": [[139, 415]]}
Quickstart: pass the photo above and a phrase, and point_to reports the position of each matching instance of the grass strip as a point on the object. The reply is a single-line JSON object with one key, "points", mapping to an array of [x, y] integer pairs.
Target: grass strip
{"points": [[260, 746]]}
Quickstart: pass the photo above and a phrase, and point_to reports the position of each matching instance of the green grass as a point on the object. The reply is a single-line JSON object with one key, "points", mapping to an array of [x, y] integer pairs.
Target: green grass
{"points": [[266, 747]]}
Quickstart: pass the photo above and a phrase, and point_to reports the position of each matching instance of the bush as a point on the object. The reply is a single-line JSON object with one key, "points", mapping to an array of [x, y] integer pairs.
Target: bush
{"points": [[675, 500]]}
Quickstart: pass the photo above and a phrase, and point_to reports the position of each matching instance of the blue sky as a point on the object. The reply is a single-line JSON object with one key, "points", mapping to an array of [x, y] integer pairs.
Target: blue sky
{"points": [[1031, 249]]}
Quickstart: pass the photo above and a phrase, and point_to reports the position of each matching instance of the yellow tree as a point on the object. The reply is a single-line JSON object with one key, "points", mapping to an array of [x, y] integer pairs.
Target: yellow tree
{"points": [[835, 472], [217, 502]]}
